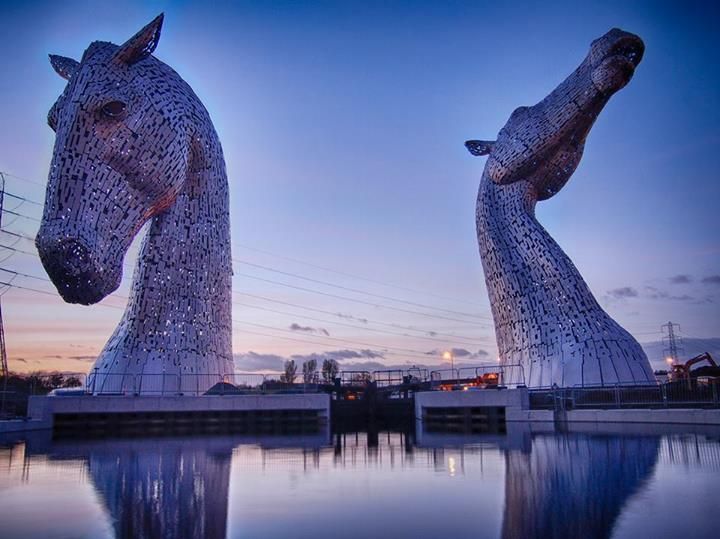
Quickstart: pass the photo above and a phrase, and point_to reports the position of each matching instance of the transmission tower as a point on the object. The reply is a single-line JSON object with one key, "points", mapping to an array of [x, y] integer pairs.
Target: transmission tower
{"points": [[3, 351], [673, 343]]}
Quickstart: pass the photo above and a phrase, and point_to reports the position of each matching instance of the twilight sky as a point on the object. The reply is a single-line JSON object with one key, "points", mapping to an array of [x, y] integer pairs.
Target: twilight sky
{"points": [[342, 125]]}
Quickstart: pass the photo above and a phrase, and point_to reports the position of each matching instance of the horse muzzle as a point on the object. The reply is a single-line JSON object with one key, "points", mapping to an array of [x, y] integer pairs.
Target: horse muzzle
{"points": [[73, 268]]}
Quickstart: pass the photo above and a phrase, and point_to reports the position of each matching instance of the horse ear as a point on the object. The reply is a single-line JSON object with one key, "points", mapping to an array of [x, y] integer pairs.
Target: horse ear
{"points": [[142, 44], [479, 147], [65, 67]]}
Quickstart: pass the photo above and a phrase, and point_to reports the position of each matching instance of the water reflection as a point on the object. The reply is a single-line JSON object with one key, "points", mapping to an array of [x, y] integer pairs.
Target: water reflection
{"points": [[520, 485], [170, 488], [573, 485]]}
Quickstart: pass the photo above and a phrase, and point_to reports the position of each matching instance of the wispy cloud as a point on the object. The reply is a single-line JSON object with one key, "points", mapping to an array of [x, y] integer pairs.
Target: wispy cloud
{"points": [[253, 361], [460, 353], [655, 293], [623, 292], [711, 279], [308, 329], [340, 355], [83, 358], [351, 317], [681, 279]]}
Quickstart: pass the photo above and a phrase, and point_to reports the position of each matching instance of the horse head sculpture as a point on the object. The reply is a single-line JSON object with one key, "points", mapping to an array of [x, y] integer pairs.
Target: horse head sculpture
{"points": [[546, 318], [134, 144], [543, 144]]}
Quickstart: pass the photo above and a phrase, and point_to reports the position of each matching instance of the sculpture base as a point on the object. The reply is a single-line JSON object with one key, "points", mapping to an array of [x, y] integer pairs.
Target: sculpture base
{"points": [[88, 415]]}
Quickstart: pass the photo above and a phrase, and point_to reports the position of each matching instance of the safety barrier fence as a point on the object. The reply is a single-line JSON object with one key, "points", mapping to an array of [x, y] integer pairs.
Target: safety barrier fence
{"points": [[165, 384], [485, 375], [191, 384], [667, 395]]}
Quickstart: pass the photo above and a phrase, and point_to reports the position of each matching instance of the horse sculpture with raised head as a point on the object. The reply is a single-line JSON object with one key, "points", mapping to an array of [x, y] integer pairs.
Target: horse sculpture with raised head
{"points": [[546, 318], [135, 144]]}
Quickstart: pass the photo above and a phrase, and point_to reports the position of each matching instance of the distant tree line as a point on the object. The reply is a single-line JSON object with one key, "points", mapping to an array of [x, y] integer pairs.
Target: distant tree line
{"points": [[14, 391], [328, 372]]}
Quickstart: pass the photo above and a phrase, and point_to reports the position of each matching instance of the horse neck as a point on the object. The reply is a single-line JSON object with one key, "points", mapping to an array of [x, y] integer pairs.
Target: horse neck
{"points": [[526, 271], [184, 268]]}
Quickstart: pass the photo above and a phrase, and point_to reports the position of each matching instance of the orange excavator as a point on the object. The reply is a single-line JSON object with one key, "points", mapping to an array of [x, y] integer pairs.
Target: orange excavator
{"points": [[681, 371]]}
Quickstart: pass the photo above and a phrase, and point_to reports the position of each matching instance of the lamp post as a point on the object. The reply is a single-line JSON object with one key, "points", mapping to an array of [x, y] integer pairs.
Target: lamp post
{"points": [[448, 355]]}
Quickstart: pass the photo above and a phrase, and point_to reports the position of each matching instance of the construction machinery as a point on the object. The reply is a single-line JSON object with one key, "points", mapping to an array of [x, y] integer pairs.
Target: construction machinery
{"points": [[682, 371]]}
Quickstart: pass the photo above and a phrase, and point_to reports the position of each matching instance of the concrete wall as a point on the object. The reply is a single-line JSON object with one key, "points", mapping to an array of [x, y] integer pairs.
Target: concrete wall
{"points": [[511, 399], [516, 405], [43, 408]]}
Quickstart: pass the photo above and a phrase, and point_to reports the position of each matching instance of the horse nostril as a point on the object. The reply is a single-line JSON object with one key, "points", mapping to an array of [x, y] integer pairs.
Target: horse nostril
{"points": [[76, 257], [68, 256]]}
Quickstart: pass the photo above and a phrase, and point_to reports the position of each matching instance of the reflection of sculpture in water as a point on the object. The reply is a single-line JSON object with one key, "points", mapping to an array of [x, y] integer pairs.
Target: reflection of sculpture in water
{"points": [[546, 318], [164, 488], [134, 144], [573, 485]]}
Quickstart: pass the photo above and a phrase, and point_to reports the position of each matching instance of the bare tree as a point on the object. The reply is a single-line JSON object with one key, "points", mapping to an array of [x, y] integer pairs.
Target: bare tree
{"points": [[290, 373], [309, 374], [330, 370]]}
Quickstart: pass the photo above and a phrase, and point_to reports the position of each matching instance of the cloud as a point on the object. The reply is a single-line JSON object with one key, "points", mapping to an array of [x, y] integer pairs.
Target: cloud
{"points": [[656, 293], [460, 353], [351, 317], [252, 361], [339, 355], [308, 329], [623, 292], [367, 366], [83, 358], [255, 362], [681, 279], [711, 279]]}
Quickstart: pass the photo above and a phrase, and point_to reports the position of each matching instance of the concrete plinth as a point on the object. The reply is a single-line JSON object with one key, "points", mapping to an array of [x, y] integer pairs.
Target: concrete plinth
{"points": [[510, 399], [154, 409]]}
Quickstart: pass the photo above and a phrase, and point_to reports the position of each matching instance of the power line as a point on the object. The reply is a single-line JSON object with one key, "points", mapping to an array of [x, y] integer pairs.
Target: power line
{"points": [[353, 275], [17, 250], [26, 180], [406, 351], [48, 293], [318, 281], [262, 326], [355, 300], [354, 326], [339, 296], [458, 338], [294, 275], [11, 212], [298, 261], [23, 199], [350, 289], [304, 317]]}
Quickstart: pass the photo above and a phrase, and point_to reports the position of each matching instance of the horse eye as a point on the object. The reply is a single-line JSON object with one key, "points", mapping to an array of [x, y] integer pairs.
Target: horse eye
{"points": [[113, 109]]}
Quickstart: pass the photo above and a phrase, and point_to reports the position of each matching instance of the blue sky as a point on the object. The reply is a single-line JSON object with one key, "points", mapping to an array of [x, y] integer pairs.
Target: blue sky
{"points": [[342, 125]]}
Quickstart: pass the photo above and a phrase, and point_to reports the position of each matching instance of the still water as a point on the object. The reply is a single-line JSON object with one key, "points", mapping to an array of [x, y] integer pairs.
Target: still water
{"points": [[598, 482]]}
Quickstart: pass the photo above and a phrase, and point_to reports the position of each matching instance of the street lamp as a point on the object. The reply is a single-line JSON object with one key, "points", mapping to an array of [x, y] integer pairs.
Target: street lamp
{"points": [[448, 356]]}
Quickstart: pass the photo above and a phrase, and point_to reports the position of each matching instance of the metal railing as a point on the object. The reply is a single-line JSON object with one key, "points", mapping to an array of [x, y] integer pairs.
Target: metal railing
{"points": [[666, 395], [191, 384], [391, 377], [355, 378], [501, 375]]}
